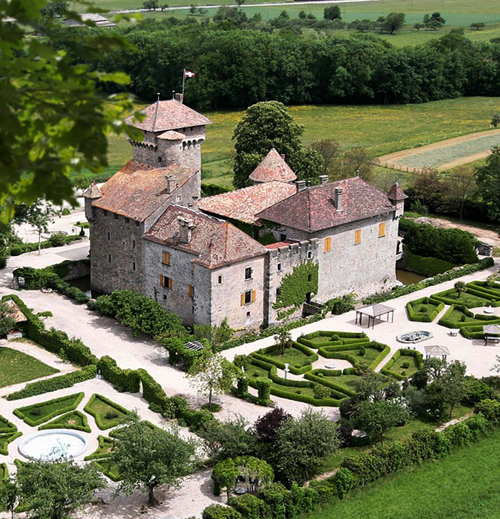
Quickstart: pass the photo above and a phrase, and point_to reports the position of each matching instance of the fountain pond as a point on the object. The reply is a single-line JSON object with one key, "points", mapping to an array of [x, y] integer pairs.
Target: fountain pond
{"points": [[414, 337], [53, 445]]}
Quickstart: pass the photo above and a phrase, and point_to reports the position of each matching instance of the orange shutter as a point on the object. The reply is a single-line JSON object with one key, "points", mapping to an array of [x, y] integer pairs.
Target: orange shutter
{"points": [[190, 291], [170, 283], [166, 258], [328, 244], [381, 230], [243, 299], [254, 296], [162, 281], [357, 237]]}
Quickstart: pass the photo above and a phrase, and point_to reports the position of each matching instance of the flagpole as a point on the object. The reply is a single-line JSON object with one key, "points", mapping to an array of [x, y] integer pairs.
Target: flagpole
{"points": [[183, 83]]}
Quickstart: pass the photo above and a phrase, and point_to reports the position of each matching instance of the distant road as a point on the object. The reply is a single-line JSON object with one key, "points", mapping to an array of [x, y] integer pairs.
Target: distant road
{"points": [[277, 4]]}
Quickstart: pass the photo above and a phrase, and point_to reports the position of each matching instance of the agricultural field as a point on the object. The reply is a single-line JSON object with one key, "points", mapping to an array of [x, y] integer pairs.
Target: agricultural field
{"points": [[457, 151], [381, 129], [461, 486]]}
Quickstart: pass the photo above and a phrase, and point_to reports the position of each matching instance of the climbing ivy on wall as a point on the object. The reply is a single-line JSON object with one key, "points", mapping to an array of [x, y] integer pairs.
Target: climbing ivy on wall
{"points": [[296, 285]]}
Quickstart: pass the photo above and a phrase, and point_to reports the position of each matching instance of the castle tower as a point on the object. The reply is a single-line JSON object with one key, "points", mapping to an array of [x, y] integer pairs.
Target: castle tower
{"points": [[173, 134], [397, 197]]}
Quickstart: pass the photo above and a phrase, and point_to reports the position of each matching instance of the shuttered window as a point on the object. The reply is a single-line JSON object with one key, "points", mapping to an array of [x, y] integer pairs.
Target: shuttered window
{"points": [[162, 280], [166, 258], [357, 237], [248, 297], [254, 296], [328, 244], [191, 291], [381, 230], [242, 302], [170, 283]]}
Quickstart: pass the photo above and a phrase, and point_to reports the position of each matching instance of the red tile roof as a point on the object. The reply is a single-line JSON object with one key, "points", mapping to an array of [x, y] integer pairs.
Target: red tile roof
{"points": [[273, 167], [137, 190], [214, 242], [245, 203], [396, 193], [92, 191], [313, 209], [168, 115]]}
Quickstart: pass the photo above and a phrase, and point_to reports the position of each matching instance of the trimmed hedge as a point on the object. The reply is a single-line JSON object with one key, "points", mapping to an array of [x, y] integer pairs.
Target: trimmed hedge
{"points": [[23, 412], [341, 390], [425, 265], [58, 423], [17, 250], [469, 325], [96, 455], [6, 426], [436, 280], [124, 380], [427, 317], [55, 383], [419, 361], [5, 440], [97, 416], [312, 357]]}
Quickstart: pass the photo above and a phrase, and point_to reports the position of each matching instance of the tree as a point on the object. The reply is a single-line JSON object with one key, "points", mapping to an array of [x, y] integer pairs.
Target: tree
{"points": [[478, 26], [332, 13], [455, 388], [9, 492], [38, 215], [7, 321], [302, 444], [488, 183], [460, 288], [54, 490], [393, 22], [369, 386], [53, 119], [54, 9], [228, 439], [434, 21], [495, 120], [151, 5], [146, 457], [283, 340], [458, 187], [268, 425], [330, 151], [377, 417], [354, 162], [418, 26], [213, 375], [268, 125]]}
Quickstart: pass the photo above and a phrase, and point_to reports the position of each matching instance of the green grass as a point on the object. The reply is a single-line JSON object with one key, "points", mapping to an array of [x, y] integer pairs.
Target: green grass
{"points": [[36, 414], [347, 381], [292, 356], [381, 129], [104, 449], [469, 300], [461, 486], [106, 413], [72, 420], [17, 367], [397, 367]]}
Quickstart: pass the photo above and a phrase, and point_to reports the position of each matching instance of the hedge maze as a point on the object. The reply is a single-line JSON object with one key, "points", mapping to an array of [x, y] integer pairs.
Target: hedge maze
{"points": [[318, 387], [459, 315]]}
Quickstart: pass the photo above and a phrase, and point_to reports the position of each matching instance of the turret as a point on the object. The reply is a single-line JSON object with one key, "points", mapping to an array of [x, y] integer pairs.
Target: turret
{"points": [[92, 193], [397, 197]]}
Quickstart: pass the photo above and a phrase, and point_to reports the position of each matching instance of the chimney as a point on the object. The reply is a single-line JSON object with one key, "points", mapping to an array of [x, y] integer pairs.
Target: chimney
{"points": [[323, 179], [171, 184], [179, 97], [185, 228], [301, 185], [339, 195]]}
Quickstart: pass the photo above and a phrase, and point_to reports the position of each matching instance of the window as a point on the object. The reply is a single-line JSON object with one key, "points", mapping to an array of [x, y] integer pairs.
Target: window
{"points": [[219, 280], [248, 273], [248, 314], [126, 220], [328, 244], [166, 282], [109, 236], [278, 291], [282, 237], [357, 237], [133, 266], [164, 297], [133, 244], [159, 160], [165, 258], [191, 291], [249, 296], [115, 216], [309, 254], [278, 267], [109, 258], [381, 230], [178, 198], [105, 212], [137, 224]]}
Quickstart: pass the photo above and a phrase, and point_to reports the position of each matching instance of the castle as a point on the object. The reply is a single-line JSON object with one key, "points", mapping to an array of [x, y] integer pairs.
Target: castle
{"points": [[226, 256]]}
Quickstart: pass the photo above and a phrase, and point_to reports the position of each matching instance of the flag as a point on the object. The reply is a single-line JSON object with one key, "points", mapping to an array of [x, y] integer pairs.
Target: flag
{"points": [[188, 74]]}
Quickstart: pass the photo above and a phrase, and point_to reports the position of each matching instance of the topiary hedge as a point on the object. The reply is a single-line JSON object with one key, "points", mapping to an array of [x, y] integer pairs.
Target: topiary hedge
{"points": [[427, 317], [419, 362], [68, 403]]}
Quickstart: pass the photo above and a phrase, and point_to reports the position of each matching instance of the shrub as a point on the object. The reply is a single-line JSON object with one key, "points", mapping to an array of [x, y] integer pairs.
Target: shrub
{"points": [[490, 409], [221, 512], [321, 391]]}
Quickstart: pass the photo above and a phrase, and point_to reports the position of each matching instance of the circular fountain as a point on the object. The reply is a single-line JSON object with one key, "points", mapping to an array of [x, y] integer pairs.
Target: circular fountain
{"points": [[414, 337], [52, 445]]}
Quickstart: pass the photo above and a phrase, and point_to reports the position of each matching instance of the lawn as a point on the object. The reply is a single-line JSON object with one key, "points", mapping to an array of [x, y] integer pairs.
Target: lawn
{"points": [[17, 367], [72, 420], [292, 356], [381, 129], [406, 366], [463, 485], [36, 414], [107, 414]]}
